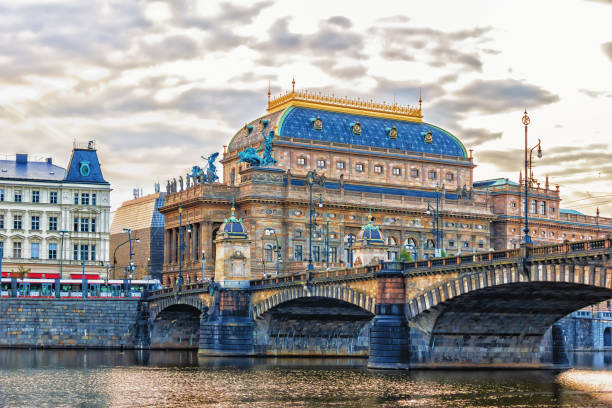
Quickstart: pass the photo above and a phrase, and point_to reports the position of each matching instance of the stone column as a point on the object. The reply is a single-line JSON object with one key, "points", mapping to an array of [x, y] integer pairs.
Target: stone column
{"points": [[389, 334], [194, 242]]}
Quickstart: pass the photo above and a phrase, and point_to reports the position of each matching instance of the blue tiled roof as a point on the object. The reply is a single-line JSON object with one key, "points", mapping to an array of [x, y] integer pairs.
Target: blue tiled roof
{"points": [[494, 183], [566, 211], [337, 127], [31, 170], [80, 157]]}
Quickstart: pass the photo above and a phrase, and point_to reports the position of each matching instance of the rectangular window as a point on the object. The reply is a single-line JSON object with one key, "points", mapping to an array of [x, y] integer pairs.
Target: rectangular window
{"points": [[1, 221], [432, 174], [316, 254], [36, 196], [35, 223], [76, 198], [298, 253], [397, 171], [340, 165], [543, 207], [53, 197], [1, 194], [92, 252], [321, 164], [84, 224], [16, 249], [35, 250], [85, 252], [378, 169], [93, 225], [75, 225], [94, 199], [75, 252], [359, 168], [301, 161], [333, 254], [52, 250], [450, 177], [534, 206], [17, 196], [17, 222], [414, 173], [84, 198], [52, 223]]}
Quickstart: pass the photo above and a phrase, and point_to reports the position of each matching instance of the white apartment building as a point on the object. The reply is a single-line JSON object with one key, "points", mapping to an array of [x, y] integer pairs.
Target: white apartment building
{"points": [[51, 215]]}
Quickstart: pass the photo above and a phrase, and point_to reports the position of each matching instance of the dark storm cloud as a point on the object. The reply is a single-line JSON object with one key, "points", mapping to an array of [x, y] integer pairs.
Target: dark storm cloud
{"points": [[607, 49]]}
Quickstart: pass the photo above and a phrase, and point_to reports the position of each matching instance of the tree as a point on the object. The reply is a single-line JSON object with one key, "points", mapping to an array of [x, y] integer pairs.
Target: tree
{"points": [[405, 256], [22, 272], [443, 253]]}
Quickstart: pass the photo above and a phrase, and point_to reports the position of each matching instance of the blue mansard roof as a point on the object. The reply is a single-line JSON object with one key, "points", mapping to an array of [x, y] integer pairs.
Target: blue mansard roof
{"points": [[337, 127], [84, 167], [31, 170]]}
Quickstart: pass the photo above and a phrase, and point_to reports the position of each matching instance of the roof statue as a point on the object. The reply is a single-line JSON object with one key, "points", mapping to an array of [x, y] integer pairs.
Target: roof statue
{"points": [[196, 174], [267, 158], [210, 175], [249, 155]]}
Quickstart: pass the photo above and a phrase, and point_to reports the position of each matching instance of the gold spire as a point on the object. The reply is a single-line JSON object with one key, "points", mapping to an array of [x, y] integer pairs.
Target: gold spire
{"points": [[269, 92], [293, 86], [420, 100]]}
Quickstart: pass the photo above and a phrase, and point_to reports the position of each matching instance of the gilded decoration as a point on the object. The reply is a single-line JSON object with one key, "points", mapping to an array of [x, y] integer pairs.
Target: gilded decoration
{"points": [[428, 137], [356, 127], [392, 132], [318, 123]]}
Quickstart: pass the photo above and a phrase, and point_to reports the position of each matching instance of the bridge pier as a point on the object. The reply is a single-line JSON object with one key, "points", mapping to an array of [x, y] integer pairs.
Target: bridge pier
{"points": [[228, 328], [390, 334]]}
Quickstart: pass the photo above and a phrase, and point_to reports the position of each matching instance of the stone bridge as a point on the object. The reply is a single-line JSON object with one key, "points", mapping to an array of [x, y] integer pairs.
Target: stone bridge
{"points": [[491, 309]]}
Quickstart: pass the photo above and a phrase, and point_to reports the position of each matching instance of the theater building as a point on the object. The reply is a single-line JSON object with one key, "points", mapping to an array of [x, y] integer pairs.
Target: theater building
{"points": [[51, 215], [375, 157], [548, 222]]}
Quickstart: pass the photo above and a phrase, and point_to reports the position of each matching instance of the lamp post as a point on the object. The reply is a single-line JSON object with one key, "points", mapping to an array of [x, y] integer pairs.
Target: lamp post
{"points": [[203, 264], [62, 233], [526, 121], [137, 240], [436, 218], [312, 178], [277, 248], [350, 239], [327, 241]]}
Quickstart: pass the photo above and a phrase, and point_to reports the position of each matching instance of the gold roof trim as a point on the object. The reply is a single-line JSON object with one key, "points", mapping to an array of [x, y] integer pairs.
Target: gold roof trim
{"points": [[344, 104]]}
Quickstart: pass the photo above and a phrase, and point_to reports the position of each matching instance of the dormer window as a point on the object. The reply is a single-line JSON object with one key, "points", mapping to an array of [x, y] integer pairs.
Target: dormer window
{"points": [[356, 128]]}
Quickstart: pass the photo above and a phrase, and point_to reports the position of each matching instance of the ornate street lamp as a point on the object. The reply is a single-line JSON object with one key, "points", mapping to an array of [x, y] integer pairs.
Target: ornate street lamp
{"points": [[277, 248], [312, 178], [528, 152], [350, 240], [436, 218], [137, 240]]}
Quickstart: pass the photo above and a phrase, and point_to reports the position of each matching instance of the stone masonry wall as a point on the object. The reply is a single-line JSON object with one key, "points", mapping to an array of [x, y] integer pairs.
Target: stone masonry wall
{"points": [[68, 323]]}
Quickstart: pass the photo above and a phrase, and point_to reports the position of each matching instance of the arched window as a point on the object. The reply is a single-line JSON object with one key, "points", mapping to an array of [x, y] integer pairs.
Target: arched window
{"points": [[233, 176], [607, 337], [430, 244], [268, 251], [391, 241]]}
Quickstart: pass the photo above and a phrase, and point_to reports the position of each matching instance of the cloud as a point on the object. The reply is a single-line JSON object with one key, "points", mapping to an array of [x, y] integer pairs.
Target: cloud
{"points": [[596, 94], [476, 137], [607, 49], [504, 160], [340, 21]]}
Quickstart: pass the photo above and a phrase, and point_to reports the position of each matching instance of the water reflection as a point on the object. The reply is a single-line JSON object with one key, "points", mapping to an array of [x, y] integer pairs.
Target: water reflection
{"points": [[179, 378]]}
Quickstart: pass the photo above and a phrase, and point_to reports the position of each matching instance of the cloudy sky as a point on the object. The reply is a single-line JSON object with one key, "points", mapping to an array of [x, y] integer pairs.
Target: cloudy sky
{"points": [[157, 84]]}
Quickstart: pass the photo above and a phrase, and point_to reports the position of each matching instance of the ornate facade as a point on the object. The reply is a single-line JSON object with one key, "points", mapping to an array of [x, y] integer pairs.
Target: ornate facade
{"points": [[374, 157], [40, 202]]}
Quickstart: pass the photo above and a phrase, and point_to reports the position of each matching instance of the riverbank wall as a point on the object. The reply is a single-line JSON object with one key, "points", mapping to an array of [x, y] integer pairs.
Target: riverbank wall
{"points": [[69, 323]]}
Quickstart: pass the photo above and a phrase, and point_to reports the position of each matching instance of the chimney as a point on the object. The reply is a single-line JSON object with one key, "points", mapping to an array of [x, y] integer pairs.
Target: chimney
{"points": [[22, 158]]}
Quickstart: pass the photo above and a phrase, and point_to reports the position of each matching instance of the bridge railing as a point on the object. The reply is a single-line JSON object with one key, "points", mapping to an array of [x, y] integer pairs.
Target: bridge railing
{"points": [[194, 287]]}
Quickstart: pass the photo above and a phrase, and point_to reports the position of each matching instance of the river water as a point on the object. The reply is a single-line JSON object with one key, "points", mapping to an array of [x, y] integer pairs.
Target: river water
{"points": [[56, 378]]}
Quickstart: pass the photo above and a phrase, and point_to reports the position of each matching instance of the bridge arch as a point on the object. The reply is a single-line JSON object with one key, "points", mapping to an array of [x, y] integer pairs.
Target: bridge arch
{"points": [[593, 275], [157, 306], [340, 293]]}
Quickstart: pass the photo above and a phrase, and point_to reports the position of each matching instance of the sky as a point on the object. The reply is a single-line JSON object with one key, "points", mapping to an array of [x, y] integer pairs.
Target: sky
{"points": [[159, 84]]}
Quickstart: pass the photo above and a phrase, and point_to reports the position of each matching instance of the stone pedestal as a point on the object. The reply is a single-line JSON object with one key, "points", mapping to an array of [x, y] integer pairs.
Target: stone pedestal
{"points": [[368, 254], [389, 334], [228, 330]]}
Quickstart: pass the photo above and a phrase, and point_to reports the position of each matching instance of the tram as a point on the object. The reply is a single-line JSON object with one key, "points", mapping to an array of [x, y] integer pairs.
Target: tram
{"points": [[50, 286]]}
